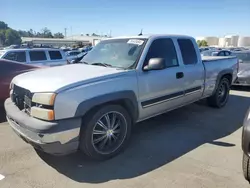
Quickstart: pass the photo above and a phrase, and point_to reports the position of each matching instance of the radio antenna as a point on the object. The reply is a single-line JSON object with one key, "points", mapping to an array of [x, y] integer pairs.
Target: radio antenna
{"points": [[140, 34]]}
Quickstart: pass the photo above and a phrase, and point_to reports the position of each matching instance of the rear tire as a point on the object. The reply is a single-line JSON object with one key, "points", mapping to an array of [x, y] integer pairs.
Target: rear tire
{"points": [[220, 97], [105, 132], [246, 167]]}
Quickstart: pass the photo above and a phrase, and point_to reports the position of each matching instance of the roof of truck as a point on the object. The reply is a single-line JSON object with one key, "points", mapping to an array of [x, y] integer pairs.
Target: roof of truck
{"points": [[153, 35]]}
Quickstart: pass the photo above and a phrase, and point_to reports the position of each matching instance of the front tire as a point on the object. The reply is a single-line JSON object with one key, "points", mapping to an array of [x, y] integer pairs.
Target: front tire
{"points": [[246, 167], [220, 97], [105, 132]]}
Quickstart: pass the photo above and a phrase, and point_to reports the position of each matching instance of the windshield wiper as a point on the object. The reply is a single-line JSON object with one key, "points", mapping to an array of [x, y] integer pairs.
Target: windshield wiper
{"points": [[84, 62], [102, 64]]}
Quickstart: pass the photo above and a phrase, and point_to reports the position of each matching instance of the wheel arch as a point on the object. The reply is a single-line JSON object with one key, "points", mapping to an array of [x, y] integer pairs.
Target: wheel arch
{"points": [[127, 99], [228, 73]]}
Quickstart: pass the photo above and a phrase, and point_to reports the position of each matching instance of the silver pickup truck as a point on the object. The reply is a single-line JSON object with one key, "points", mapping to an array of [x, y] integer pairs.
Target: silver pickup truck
{"points": [[92, 106]]}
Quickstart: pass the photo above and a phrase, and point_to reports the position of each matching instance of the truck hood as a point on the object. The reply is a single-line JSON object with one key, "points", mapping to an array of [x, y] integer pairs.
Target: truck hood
{"points": [[63, 77]]}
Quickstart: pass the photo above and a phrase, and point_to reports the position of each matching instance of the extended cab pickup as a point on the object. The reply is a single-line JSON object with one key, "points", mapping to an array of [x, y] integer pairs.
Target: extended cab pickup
{"points": [[92, 106]]}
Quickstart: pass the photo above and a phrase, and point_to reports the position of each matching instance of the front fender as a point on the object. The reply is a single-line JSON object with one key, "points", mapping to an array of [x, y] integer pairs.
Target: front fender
{"points": [[128, 97]]}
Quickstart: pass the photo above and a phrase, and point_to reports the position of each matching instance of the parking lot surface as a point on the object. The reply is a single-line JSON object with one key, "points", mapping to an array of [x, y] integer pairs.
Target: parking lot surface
{"points": [[195, 146]]}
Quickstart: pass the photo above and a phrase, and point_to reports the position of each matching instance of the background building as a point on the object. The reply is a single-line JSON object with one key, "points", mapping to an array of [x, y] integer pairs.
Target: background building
{"points": [[244, 41], [211, 41], [227, 41], [67, 41]]}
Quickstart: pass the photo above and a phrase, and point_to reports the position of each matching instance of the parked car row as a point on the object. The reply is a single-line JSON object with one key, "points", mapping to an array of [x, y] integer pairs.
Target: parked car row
{"points": [[243, 77], [75, 55], [216, 53]]}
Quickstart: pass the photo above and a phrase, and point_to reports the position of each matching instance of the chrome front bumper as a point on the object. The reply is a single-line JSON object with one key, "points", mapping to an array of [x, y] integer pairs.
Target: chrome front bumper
{"points": [[58, 137]]}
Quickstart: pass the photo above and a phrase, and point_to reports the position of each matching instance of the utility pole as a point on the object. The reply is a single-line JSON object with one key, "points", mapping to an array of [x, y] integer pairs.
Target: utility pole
{"points": [[65, 32]]}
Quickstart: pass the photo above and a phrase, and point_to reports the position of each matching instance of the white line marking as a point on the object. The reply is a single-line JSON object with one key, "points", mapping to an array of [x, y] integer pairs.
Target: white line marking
{"points": [[1, 177]]}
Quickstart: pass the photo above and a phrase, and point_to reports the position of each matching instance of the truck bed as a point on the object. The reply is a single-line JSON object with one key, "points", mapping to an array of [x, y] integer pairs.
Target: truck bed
{"points": [[214, 66], [215, 58]]}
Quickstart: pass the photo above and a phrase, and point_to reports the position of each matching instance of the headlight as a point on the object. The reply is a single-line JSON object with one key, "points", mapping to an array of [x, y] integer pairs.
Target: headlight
{"points": [[248, 117], [44, 98], [11, 86], [42, 113]]}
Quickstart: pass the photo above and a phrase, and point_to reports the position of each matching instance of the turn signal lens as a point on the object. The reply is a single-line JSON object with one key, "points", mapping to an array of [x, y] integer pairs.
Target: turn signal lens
{"points": [[42, 113]]}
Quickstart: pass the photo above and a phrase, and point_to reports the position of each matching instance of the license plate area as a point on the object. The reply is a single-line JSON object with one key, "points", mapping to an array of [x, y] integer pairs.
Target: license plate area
{"points": [[27, 104]]}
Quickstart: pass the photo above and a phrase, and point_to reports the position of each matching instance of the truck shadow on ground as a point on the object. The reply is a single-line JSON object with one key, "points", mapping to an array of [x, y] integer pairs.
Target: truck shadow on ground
{"points": [[158, 141]]}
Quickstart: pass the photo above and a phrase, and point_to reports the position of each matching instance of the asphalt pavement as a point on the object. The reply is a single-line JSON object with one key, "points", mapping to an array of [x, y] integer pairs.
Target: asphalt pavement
{"points": [[194, 146]]}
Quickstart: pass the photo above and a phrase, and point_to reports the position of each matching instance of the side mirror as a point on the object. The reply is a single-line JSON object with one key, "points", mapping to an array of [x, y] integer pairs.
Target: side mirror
{"points": [[155, 64]]}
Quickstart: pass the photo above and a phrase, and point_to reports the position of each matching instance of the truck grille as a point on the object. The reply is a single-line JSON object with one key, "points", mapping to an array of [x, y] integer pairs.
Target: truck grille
{"points": [[22, 98]]}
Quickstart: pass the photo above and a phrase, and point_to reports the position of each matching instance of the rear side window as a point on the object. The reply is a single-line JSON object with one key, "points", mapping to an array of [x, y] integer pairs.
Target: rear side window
{"points": [[188, 53], [55, 55], [227, 53], [222, 53], [74, 53], [37, 55], [163, 48], [16, 56]]}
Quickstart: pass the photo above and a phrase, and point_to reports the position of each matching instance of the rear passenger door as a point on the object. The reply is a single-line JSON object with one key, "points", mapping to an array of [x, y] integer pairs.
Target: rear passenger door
{"points": [[193, 70], [38, 57], [55, 58]]}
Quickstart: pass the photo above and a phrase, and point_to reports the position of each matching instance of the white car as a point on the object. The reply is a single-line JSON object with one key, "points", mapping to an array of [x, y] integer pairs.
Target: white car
{"points": [[36, 56], [71, 55]]}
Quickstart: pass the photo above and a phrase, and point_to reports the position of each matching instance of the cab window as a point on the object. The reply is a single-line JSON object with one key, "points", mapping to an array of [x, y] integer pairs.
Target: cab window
{"points": [[163, 48], [188, 53]]}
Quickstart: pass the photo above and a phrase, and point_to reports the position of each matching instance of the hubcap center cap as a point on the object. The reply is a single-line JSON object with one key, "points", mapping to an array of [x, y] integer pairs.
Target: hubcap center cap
{"points": [[110, 132]]}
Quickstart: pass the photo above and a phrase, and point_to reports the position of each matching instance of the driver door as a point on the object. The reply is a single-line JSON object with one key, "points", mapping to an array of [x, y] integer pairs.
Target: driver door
{"points": [[161, 90]]}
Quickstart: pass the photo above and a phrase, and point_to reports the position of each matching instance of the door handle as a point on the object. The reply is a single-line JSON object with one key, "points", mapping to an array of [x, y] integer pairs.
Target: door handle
{"points": [[179, 75]]}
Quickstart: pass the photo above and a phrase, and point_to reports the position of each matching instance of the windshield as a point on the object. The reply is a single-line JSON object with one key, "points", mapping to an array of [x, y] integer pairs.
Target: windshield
{"points": [[81, 54], [122, 53], [245, 57]]}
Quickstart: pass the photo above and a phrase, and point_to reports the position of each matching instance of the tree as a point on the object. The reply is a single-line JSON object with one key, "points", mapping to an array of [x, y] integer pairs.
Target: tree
{"points": [[46, 33], [23, 33], [58, 35], [2, 36], [31, 33], [87, 34], [202, 43], [93, 34], [12, 37], [3, 25]]}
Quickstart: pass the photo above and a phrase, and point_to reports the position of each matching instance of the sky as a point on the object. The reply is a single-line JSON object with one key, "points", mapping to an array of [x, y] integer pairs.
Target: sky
{"points": [[128, 17]]}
